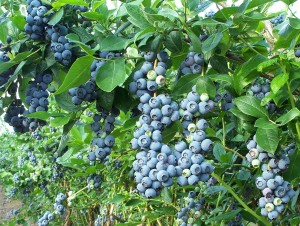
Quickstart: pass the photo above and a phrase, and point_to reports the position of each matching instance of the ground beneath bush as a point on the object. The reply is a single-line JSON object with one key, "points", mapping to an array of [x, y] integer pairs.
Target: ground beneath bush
{"points": [[7, 206]]}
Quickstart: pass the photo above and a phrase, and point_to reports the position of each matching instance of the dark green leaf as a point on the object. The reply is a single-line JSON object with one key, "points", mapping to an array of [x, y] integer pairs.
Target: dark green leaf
{"points": [[112, 43], [169, 132], [185, 84], [78, 74], [105, 99], [250, 105], [173, 41], [243, 175], [264, 123], [112, 74], [247, 73], [268, 138], [224, 216], [214, 189], [65, 102], [56, 17], [167, 195], [289, 116], [218, 151], [82, 34], [137, 16], [212, 41], [205, 85]]}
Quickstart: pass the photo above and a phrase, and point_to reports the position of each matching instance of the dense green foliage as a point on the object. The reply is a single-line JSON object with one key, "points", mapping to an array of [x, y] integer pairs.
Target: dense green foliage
{"points": [[95, 90]]}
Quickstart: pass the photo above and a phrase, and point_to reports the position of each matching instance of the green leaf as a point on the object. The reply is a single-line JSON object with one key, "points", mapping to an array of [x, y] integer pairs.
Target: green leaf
{"points": [[218, 151], [56, 17], [268, 138], [173, 41], [166, 195], [111, 74], [250, 105], [59, 121], [137, 16], [294, 22], [224, 216], [43, 115], [286, 36], [78, 74], [266, 64], [113, 43], [105, 99], [243, 175], [93, 16], [289, 116], [64, 101], [59, 3], [83, 34], [211, 42], [247, 73], [222, 78], [196, 44], [205, 85], [263, 123], [278, 82], [118, 198], [185, 84], [170, 131], [214, 189]]}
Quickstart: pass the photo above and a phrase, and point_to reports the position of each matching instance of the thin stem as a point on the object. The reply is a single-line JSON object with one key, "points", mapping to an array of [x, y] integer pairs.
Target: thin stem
{"points": [[229, 149], [224, 132], [247, 208], [247, 44]]}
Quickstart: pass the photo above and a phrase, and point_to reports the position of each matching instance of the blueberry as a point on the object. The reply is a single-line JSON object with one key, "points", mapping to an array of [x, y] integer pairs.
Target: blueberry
{"points": [[66, 54], [182, 181], [150, 193]]}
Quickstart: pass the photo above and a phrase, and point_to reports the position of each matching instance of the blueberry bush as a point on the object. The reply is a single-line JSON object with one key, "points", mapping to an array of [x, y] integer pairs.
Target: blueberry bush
{"points": [[150, 112]]}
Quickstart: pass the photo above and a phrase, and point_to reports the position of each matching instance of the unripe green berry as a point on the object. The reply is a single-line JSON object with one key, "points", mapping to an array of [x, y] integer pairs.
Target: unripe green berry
{"points": [[151, 75], [204, 97]]}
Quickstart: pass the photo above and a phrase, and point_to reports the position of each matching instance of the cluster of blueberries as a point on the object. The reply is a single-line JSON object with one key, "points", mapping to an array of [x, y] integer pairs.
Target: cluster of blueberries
{"points": [[225, 98], [36, 19], [59, 209], [14, 116], [102, 126], [93, 181], [276, 191], [194, 105], [191, 211], [151, 74], [192, 64], [57, 172], [60, 46], [87, 91], [277, 20], [4, 76], [157, 163], [37, 94], [237, 220], [261, 88], [38, 29]]}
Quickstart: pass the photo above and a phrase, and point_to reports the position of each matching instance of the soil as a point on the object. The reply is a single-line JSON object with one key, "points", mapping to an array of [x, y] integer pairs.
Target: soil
{"points": [[7, 206]]}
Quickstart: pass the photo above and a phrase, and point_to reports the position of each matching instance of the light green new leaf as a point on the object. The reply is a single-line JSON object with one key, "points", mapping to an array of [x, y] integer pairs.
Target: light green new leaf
{"points": [[278, 82]]}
